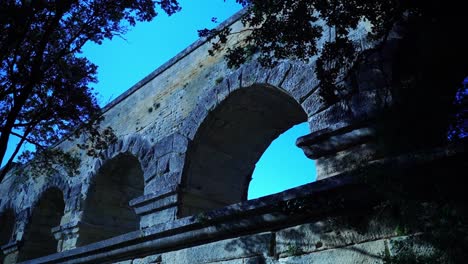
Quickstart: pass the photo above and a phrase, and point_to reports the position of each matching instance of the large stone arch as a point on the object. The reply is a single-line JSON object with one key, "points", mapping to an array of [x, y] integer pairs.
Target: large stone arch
{"points": [[297, 79], [228, 131], [46, 214], [116, 181]]}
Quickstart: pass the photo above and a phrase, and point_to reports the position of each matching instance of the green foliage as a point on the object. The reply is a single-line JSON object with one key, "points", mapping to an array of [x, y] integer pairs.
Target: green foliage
{"points": [[98, 142], [294, 250], [44, 82], [48, 162], [418, 81], [432, 223], [219, 80], [292, 29], [406, 252], [202, 218]]}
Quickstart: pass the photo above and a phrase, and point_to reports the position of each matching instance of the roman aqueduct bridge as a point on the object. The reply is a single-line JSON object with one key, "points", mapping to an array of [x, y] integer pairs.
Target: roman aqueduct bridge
{"points": [[173, 188]]}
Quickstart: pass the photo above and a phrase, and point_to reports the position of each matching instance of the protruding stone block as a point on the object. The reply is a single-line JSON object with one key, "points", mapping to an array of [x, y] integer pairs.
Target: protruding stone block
{"points": [[66, 235], [157, 207]]}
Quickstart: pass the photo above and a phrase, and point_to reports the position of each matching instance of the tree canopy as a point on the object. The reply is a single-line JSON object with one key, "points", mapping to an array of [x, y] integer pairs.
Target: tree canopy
{"points": [[428, 68], [45, 93]]}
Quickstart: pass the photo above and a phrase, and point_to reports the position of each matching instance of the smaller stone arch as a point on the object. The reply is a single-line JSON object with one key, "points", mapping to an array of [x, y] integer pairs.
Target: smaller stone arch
{"points": [[54, 182], [7, 227], [46, 214], [106, 210], [135, 145]]}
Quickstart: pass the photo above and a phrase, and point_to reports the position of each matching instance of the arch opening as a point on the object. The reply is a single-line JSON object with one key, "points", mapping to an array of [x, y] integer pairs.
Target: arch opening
{"points": [[283, 165], [38, 239], [107, 212], [7, 225], [228, 144]]}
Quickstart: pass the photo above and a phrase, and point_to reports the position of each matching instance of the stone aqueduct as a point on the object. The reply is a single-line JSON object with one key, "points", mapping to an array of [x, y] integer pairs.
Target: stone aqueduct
{"points": [[169, 190]]}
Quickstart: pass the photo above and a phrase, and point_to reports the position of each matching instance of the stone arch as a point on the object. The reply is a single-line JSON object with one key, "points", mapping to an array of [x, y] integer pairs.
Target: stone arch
{"points": [[295, 78], [38, 239], [106, 211], [57, 181], [228, 137], [134, 145], [7, 226]]}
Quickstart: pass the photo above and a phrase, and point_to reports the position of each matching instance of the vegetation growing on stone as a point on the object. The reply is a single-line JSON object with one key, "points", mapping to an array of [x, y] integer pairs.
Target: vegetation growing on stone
{"points": [[44, 82], [421, 85], [219, 80], [293, 250]]}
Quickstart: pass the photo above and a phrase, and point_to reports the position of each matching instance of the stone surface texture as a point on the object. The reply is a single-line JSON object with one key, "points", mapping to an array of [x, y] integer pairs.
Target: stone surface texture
{"points": [[172, 189]]}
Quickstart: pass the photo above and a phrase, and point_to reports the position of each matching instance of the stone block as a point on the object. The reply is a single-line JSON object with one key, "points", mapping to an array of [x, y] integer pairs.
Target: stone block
{"points": [[237, 248], [300, 81], [163, 146], [170, 163], [371, 77], [11, 258], [253, 260], [156, 205], [222, 91], [254, 73], [176, 162], [279, 73], [151, 171], [125, 262], [75, 190], [360, 107], [313, 103], [333, 117], [158, 217], [347, 160], [234, 80], [209, 100], [189, 127], [365, 253], [162, 182], [180, 143], [327, 234], [153, 259], [323, 144], [163, 164], [365, 105]]}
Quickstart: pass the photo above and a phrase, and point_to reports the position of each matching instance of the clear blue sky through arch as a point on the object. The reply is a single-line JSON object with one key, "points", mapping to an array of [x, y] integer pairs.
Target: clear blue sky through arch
{"points": [[283, 165], [122, 62]]}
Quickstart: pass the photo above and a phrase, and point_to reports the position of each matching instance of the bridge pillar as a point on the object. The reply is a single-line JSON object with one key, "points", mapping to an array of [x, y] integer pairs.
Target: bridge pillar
{"points": [[11, 252], [66, 235], [156, 208]]}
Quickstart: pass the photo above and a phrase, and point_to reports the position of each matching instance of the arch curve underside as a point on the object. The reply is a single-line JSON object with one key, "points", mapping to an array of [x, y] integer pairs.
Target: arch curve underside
{"points": [[107, 212], [229, 142], [38, 239], [7, 224]]}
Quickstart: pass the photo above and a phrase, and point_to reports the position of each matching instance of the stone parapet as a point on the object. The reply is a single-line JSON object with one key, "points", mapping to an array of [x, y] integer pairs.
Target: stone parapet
{"points": [[322, 221]]}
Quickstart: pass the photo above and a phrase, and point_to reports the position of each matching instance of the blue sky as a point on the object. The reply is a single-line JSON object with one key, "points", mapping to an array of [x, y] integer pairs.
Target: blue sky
{"points": [[122, 62]]}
